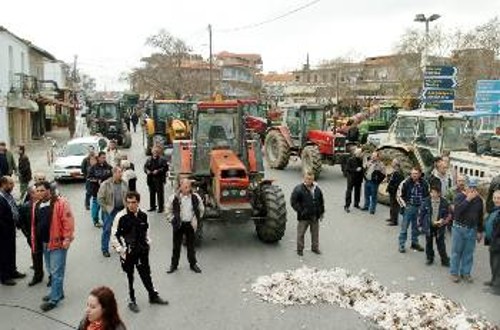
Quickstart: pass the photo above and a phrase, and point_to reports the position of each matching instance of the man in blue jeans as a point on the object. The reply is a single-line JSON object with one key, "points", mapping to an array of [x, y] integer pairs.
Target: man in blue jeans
{"points": [[374, 175], [411, 192], [467, 229], [111, 197]]}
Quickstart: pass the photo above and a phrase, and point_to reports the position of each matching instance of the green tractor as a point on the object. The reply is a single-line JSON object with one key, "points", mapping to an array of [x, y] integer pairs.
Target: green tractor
{"points": [[107, 119], [378, 123]]}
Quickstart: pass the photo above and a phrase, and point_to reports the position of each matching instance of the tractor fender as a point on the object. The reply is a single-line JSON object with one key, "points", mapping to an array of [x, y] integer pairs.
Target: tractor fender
{"points": [[285, 132]]}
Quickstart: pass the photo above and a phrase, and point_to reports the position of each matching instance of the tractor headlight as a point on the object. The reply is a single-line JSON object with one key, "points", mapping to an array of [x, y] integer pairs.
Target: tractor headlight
{"points": [[225, 193], [243, 193]]}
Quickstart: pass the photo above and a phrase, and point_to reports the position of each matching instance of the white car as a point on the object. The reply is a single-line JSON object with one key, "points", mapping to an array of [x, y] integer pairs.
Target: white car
{"points": [[68, 164]]}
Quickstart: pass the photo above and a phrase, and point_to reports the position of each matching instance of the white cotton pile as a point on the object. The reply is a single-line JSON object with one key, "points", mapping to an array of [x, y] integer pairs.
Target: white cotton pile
{"points": [[362, 293]]}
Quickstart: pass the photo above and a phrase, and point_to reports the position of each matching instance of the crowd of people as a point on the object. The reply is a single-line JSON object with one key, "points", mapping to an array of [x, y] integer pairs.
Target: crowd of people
{"points": [[428, 206], [432, 207]]}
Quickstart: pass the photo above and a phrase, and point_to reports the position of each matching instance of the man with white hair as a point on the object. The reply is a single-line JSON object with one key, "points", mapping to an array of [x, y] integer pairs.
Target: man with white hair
{"points": [[354, 170]]}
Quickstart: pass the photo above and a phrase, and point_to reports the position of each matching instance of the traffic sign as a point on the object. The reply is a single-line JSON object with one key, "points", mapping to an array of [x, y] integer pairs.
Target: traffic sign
{"points": [[488, 85], [448, 106], [432, 95], [440, 83], [492, 107], [488, 97], [440, 71]]}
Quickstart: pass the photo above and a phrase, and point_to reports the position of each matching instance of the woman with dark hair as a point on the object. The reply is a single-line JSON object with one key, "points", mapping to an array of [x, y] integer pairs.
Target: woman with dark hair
{"points": [[102, 311]]}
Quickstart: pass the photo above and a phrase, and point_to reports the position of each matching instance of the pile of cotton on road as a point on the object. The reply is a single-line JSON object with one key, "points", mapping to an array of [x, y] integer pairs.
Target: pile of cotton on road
{"points": [[362, 293]]}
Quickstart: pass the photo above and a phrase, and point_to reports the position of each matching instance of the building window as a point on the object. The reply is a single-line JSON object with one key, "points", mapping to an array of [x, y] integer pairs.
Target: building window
{"points": [[11, 66]]}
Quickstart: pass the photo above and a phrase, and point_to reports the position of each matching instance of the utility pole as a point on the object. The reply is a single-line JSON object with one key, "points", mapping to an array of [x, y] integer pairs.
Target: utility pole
{"points": [[72, 117], [211, 60]]}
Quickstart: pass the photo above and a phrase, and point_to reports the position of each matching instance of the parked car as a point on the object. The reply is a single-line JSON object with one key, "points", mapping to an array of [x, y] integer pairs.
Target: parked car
{"points": [[68, 164]]}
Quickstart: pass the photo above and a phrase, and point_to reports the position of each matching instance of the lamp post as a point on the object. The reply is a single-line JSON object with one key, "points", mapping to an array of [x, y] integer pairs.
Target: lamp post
{"points": [[426, 20]]}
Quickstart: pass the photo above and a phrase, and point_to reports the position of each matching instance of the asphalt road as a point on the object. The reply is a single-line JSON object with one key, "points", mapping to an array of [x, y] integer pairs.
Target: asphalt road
{"points": [[231, 259]]}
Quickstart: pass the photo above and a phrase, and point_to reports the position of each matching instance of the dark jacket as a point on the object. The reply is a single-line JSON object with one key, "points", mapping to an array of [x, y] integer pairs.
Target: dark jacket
{"points": [[131, 232], [425, 216], [469, 214], [352, 134], [405, 190], [307, 206], [24, 169], [394, 181], [354, 169], [160, 164], [98, 174]]}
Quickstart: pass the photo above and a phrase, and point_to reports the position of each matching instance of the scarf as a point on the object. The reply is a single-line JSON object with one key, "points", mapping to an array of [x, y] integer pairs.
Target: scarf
{"points": [[12, 203], [96, 325]]}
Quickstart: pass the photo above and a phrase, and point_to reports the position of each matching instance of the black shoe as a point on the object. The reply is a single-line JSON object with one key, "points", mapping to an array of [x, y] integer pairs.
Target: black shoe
{"points": [[156, 300], [417, 247], [47, 298], [87, 207], [346, 209], [35, 281], [388, 220], [317, 251], [47, 306], [300, 252], [392, 224], [445, 263], [17, 275], [9, 282], [429, 262], [402, 249], [364, 209], [171, 270], [106, 254], [151, 209], [357, 206], [488, 283], [133, 307], [195, 269]]}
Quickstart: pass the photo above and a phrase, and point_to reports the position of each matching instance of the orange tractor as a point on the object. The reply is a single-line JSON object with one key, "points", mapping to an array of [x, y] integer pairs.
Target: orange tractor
{"points": [[228, 172]]}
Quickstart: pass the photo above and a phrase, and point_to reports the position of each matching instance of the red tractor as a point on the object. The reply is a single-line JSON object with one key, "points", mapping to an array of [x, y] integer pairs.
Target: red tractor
{"points": [[228, 172], [304, 132]]}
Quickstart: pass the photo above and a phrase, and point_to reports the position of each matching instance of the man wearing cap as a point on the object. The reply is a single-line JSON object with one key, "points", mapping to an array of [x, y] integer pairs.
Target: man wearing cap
{"points": [[467, 229]]}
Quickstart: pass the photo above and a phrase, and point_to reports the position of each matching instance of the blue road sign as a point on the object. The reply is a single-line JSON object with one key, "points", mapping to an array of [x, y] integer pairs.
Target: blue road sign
{"points": [[432, 95], [488, 85], [492, 107], [440, 71], [440, 83], [488, 97], [448, 106]]}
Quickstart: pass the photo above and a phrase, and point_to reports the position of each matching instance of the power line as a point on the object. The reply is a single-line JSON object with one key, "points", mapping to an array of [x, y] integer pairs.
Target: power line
{"points": [[254, 25]]}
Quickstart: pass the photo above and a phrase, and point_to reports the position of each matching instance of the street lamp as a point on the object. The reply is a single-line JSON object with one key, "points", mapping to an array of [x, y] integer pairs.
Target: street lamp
{"points": [[426, 20]]}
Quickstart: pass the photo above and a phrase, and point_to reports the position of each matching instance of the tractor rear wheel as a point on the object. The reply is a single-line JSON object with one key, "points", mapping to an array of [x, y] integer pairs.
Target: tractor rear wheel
{"points": [[311, 160], [272, 229], [277, 150], [386, 156]]}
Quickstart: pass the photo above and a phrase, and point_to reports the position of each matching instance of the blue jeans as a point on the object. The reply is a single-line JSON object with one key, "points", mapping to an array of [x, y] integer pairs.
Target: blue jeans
{"points": [[463, 243], [409, 217], [106, 228], [55, 263], [371, 190], [94, 210]]}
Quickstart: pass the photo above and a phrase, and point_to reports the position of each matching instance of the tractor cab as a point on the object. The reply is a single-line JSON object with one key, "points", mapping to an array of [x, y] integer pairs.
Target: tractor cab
{"points": [[107, 118]]}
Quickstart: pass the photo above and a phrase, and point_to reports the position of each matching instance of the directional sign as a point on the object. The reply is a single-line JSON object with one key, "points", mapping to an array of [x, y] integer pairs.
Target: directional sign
{"points": [[431, 95], [488, 85], [440, 71], [440, 83], [488, 97], [493, 107], [448, 106]]}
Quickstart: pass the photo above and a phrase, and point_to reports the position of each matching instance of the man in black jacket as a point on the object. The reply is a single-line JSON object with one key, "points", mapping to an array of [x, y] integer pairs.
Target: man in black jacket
{"points": [[24, 170], [354, 169], [395, 179], [307, 201], [156, 168], [131, 240]]}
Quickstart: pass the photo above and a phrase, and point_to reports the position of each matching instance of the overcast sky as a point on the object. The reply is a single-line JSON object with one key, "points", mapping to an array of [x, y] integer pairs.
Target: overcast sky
{"points": [[109, 35]]}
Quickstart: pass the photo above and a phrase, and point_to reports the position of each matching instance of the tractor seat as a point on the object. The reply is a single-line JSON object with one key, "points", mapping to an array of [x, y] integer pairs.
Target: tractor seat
{"points": [[217, 133]]}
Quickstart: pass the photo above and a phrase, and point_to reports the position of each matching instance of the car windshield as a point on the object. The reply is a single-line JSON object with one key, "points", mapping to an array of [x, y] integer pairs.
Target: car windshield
{"points": [[77, 149], [108, 111], [166, 111]]}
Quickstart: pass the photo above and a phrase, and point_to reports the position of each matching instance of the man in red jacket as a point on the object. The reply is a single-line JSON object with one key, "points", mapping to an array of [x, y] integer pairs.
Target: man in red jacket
{"points": [[52, 228]]}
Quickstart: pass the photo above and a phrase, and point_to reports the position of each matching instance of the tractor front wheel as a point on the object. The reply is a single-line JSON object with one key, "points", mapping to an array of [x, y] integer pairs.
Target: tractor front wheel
{"points": [[277, 150], [272, 228], [311, 160]]}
